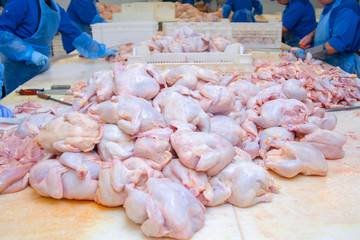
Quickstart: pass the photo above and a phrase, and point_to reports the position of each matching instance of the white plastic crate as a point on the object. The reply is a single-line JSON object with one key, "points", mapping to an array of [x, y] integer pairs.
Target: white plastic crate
{"points": [[162, 10], [117, 33], [133, 17], [258, 35], [218, 28], [233, 59]]}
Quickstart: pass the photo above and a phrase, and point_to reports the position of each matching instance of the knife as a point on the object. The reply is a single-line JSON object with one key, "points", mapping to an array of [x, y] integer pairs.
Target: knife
{"points": [[341, 109], [35, 91], [46, 97]]}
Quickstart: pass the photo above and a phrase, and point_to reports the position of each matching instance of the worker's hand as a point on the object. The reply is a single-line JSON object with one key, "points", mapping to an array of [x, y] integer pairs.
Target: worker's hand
{"points": [[299, 53], [306, 41], [5, 112], [39, 59], [110, 53]]}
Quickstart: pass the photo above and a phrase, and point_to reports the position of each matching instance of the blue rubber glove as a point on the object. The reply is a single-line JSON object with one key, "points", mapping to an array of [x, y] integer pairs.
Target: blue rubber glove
{"points": [[110, 53], [39, 59], [300, 54], [88, 47], [5, 112]]}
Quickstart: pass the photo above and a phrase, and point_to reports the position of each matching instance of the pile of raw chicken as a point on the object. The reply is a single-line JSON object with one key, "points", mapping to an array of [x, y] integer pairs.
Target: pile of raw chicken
{"points": [[106, 10], [184, 39], [189, 13], [165, 145]]}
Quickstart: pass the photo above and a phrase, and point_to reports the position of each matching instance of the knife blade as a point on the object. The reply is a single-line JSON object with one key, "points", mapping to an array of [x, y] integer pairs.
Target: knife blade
{"points": [[46, 97]]}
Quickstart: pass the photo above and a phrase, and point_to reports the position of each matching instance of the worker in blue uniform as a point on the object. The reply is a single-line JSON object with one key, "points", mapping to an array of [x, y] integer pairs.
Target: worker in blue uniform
{"points": [[83, 13], [337, 36], [298, 20], [243, 10], [202, 5], [27, 28]]}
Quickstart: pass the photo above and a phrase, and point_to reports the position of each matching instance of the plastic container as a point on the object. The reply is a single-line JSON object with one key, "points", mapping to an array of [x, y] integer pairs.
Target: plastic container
{"points": [[117, 33], [258, 35], [233, 59], [133, 17], [218, 28], [163, 11]]}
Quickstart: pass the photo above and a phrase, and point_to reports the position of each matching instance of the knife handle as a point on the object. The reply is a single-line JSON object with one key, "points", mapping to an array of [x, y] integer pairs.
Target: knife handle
{"points": [[27, 91]]}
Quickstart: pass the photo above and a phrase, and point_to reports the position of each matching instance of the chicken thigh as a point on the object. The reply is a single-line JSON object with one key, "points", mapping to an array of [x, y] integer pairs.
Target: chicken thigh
{"points": [[216, 99]]}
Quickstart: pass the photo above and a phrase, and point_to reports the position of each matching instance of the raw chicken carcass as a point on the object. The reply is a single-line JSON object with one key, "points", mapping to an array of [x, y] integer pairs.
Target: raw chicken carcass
{"points": [[154, 145], [217, 99], [172, 210], [296, 157], [72, 132], [183, 75], [242, 184], [274, 137], [243, 90], [328, 142], [31, 125], [115, 143], [281, 112], [115, 175], [228, 128], [100, 84], [176, 104], [130, 113], [196, 182], [202, 151], [138, 80]]}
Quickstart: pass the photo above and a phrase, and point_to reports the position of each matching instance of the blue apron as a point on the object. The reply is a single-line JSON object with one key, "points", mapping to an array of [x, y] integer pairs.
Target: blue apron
{"points": [[243, 15], [348, 62], [19, 72]]}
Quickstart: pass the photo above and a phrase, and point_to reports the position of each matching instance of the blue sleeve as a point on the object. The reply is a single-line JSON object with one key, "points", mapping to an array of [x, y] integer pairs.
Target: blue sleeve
{"points": [[344, 30], [292, 15], [12, 15], [206, 1], [68, 31], [88, 10], [258, 8], [11, 45]]}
